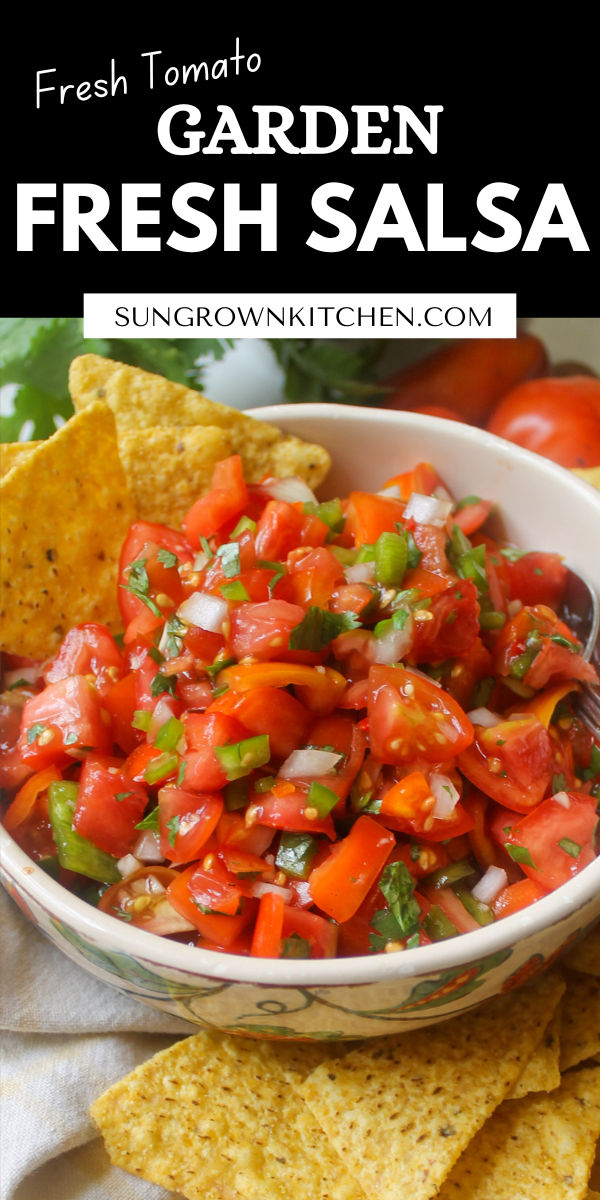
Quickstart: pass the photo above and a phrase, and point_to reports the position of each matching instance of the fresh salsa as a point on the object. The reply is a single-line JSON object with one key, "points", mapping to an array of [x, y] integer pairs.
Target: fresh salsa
{"points": [[327, 729]]}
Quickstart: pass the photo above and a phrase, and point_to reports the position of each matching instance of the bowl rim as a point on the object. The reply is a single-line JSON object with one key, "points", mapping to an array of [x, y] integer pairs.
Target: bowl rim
{"points": [[27, 876]]}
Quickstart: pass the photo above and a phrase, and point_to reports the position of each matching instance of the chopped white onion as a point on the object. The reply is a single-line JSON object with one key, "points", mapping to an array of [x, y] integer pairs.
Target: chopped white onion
{"points": [[147, 847], [205, 611], [393, 645], [490, 885], [308, 764], [360, 573], [201, 559], [291, 488], [514, 606], [484, 716], [563, 799], [394, 491], [259, 889], [128, 864], [428, 510], [446, 796], [160, 715]]}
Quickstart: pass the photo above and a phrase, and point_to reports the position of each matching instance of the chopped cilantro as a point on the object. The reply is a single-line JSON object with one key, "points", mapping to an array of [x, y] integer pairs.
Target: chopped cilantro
{"points": [[520, 854], [150, 821], [570, 847], [173, 828], [123, 796], [400, 919], [163, 683], [295, 947], [559, 784], [34, 732], [229, 553], [167, 558], [319, 627]]}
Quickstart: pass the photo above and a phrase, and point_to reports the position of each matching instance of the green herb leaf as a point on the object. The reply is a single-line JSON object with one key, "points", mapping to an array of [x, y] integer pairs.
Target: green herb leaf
{"points": [[34, 732], [163, 683], [167, 558], [319, 627], [520, 854], [295, 947], [401, 919], [150, 821], [570, 847], [173, 829], [229, 553]]}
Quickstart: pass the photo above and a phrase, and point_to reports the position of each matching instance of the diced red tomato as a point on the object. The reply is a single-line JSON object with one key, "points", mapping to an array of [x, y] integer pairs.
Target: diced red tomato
{"points": [[224, 502], [512, 762], [557, 839], [109, 805], [88, 650], [269, 710], [517, 896], [449, 628], [409, 717], [203, 771], [368, 516], [340, 884], [186, 821], [63, 721]]}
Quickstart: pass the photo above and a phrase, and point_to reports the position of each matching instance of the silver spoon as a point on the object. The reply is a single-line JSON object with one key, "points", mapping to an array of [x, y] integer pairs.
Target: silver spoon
{"points": [[581, 612]]}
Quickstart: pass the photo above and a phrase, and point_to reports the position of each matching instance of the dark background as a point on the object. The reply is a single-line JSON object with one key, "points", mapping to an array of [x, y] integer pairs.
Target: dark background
{"points": [[515, 110]]}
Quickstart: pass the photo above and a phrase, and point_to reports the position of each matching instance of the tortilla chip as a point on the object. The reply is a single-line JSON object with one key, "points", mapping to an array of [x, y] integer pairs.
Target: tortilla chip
{"points": [[542, 1072], [594, 1179], [140, 400], [580, 1024], [88, 376], [64, 512], [169, 467], [585, 956], [590, 474], [400, 1110], [217, 1116], [590, 1195], [536, 1148], [14, 452]]}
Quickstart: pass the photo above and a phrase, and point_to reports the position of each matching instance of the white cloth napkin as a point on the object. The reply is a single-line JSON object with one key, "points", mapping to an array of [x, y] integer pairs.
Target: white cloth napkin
{"points": [[65, 1039]]}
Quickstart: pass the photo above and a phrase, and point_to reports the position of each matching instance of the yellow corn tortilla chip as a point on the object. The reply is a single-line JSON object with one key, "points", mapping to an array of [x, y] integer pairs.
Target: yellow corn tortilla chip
{"points": [[594, 1179], [580, 1022], [64, 512], [14, 452], [590, 1195], [590, 474], [401, 1110], [168, 467], [538, 1148], [542, 1072], [217, 1116], [88, 375], [585, 956], [140, 399]]}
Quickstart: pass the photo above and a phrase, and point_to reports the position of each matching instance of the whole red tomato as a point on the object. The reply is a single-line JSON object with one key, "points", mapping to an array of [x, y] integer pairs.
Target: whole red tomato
{"points": [[468, 376], [559, 418]]}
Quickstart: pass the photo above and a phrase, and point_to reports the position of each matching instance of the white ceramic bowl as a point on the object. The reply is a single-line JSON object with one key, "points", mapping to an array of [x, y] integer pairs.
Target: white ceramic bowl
{"points": [[545, 508]]}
